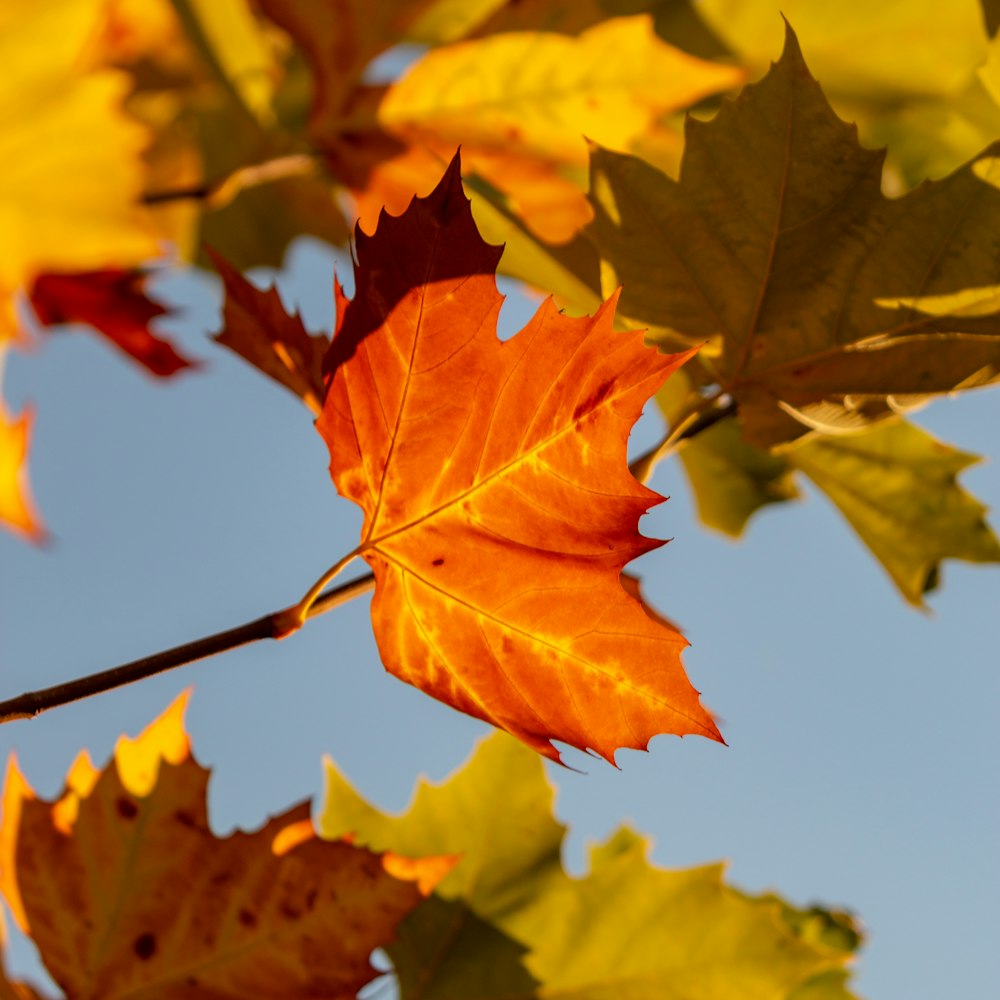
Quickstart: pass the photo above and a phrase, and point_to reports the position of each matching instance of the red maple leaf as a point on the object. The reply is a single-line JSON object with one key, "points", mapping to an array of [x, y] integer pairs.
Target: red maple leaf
{"points": [[114, 303]]}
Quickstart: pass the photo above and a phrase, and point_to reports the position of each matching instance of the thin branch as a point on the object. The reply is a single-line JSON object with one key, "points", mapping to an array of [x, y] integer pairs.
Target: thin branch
{"points": [[271, 626], [698, 420], [220, 193], [279, 624]]}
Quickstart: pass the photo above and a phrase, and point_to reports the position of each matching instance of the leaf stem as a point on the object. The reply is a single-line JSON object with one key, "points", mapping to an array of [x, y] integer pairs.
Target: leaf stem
{"points": [[703, 416], [292, 619], [33, 703]]}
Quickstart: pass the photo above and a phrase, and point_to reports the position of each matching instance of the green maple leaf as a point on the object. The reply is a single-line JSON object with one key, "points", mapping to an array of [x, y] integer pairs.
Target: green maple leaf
{"points": [[508, 921], [896, 486], [775, 244], [894, 483]]}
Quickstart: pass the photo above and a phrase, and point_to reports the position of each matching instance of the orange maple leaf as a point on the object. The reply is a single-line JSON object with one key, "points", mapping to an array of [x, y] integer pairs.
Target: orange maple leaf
{"points": [[114, 302], [499, 508], [125, 890]]}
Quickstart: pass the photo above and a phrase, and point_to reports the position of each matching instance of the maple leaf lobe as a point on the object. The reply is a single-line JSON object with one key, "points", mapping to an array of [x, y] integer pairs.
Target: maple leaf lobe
{"points": [[499, 508]]}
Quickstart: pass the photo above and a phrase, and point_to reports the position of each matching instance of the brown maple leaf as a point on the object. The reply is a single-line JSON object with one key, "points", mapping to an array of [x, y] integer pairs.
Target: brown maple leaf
{"points": [[499, 508], [125, 890], [777, 243], [115, 304]]}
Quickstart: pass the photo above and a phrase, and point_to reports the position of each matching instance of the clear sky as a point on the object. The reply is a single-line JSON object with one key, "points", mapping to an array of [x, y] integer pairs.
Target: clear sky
{"points": [[862, 766]]}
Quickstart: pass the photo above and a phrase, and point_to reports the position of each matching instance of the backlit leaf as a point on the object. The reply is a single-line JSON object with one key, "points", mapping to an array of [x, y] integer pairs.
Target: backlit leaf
{"points": [[923, 93], [535, 96], [499, 509], [70, 161], [235, 42], [126, 891], [882, 52], [776, 243], [340, 38], [730, 479], [625, 929], [569, 272], [546, 91]]}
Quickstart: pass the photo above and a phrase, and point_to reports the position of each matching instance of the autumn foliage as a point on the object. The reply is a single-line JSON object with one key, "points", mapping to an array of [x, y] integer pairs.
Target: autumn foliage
{"points": [[706, 232]]}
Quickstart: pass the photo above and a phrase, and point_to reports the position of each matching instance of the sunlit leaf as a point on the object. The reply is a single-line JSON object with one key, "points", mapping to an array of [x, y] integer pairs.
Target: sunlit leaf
{"points": [[499, 509], [70, 161], [17, 511], [529, 95], [256, 326], [231, 37], [115, 304], [730, 479]]}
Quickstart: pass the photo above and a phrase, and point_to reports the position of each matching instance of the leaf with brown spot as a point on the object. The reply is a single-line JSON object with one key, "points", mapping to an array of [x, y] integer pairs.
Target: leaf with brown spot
{"points": [[124, 888], [499, 508]]}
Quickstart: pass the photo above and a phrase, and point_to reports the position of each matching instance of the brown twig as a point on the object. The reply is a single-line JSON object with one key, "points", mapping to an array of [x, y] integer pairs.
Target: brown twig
{"points": [[220, 193], [33, 703], [274, 625]]}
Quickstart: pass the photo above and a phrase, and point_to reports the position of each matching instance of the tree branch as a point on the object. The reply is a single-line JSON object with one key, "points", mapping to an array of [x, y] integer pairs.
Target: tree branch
{"points": [[276, 624], [271, 626], [220, 193]]}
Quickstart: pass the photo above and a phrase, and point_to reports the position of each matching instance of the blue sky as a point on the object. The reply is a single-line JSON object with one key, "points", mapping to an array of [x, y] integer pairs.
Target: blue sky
{"points": [[861, 770]]}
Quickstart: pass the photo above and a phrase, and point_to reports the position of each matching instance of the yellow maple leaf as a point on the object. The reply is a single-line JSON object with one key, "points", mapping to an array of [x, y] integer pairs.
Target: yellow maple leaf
{"points": [[70, 161], [522, 105]]}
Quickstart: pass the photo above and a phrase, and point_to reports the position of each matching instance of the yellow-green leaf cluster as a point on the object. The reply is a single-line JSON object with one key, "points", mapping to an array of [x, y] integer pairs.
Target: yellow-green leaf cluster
{"points": [[508, 920]]}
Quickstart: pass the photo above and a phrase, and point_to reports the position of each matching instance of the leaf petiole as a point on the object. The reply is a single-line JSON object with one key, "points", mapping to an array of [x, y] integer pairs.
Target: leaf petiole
{"points": [[292, 619]]}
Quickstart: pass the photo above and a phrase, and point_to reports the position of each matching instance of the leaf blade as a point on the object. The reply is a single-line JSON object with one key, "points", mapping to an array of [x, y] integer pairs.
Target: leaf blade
{"points": [[625, 928], [507, 556], [777, 242], [124, 888], [897, 487]]}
